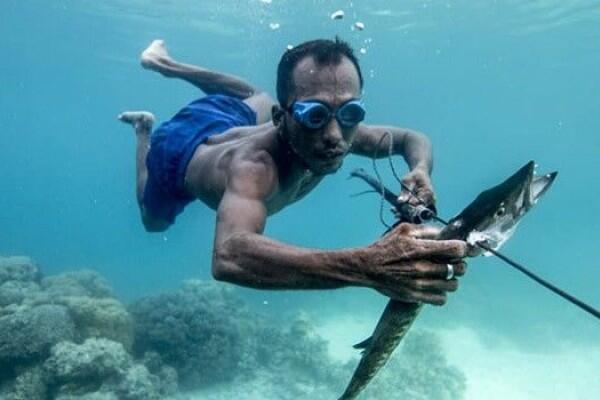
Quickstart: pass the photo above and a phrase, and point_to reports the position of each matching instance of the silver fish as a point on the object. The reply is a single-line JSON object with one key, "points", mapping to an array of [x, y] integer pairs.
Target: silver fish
{"points": [[490, 219]]}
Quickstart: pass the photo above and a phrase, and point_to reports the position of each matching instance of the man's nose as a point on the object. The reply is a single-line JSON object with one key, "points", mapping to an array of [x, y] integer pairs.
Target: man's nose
{"points": [[333, 133]]}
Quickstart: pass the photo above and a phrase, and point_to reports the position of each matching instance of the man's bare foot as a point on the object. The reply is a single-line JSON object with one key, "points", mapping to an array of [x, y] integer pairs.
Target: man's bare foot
{"points": [[156, 57], [142, 121]]}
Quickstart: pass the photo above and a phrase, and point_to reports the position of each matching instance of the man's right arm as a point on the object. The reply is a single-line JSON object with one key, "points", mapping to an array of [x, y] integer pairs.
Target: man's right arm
{"points": [[396, 265]]}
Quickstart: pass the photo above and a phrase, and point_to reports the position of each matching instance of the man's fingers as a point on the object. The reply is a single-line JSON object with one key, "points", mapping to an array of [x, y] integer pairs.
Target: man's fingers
{"points": [[415, 296], [425, 269], [429, 248], [407, 190], [423, 196], [417, 231], [417, 189], [405, 195], [424, 232], [440, 249], [438, 286], [431, 291], [436, 299], [460, 268]]}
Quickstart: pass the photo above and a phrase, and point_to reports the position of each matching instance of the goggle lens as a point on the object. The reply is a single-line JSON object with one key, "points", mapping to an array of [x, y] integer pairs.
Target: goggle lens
{"points": [[350, 114], [315, 115], [318, 116]]}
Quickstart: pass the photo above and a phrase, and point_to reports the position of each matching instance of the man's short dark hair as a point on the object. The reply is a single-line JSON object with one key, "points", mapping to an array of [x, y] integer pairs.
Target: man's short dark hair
{"points": [[323, 51]]}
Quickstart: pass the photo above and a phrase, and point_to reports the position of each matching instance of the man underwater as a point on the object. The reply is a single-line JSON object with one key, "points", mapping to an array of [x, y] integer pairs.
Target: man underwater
{"points": [[247, 157]]}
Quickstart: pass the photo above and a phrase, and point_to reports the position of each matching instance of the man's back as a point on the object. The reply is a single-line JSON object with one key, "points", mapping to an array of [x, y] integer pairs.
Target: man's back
{"points": [[255, 147]]}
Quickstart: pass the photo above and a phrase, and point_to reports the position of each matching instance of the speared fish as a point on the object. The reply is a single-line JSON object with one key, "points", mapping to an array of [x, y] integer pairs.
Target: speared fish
{"points": [[488, 222]]}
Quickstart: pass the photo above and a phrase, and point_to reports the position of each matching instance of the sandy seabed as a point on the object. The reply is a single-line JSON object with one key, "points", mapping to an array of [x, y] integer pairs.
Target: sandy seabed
{"points": [[569, 372], [499, 372]]}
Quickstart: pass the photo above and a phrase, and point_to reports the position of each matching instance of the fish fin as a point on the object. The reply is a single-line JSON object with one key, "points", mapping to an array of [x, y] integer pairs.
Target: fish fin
{"points": [[364, 344]]}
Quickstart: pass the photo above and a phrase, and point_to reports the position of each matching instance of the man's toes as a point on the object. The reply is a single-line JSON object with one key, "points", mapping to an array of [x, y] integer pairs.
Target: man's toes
{"points": [[124, 117], [137, 118], [129, 117]]}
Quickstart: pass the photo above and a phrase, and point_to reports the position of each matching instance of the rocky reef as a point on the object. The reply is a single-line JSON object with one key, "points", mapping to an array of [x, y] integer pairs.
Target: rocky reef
{"points": [[67, 337], [216, 344]]}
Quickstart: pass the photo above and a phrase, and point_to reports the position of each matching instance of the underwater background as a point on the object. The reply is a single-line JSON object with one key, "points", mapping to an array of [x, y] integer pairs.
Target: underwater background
{"points": [[493, 84]]}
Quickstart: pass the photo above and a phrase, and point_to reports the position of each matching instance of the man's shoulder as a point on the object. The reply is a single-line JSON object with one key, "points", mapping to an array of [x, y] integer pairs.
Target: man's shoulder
{"points": [[258, 153], [253, 172], [261, 148]]}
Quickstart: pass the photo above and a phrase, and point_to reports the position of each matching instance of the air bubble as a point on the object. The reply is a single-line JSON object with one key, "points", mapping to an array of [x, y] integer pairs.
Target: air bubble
{"points": [[339, 14]]}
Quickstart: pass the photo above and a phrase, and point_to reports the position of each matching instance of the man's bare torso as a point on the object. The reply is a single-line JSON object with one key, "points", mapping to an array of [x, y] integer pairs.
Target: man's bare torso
{"points": [[210, 167]]}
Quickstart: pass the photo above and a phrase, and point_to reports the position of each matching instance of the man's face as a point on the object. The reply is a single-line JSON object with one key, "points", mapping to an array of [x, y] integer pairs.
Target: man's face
{"points": [[324, 149]]}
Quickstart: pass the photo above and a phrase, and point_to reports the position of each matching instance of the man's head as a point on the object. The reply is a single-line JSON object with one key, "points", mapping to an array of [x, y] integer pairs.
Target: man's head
{"points": [[325, 72]]}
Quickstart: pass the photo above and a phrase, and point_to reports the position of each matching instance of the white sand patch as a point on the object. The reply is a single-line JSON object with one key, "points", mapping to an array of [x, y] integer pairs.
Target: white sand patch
{"points": [[507, 373], [503, 372], [344, 332]]}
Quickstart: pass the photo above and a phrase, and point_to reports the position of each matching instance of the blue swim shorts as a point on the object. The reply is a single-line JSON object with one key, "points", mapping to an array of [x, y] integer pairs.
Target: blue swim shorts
{"points": [[173, 144]]}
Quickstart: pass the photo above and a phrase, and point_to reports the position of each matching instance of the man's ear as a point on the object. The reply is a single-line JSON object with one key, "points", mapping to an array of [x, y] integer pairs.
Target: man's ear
{"points": [[277, 114]]}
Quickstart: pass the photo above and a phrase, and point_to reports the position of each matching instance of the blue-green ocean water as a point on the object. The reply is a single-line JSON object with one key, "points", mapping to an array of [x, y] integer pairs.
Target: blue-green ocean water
{"points": [[492, 83]]}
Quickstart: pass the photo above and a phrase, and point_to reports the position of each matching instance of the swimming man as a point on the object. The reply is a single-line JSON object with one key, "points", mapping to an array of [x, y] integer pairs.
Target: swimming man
{"points": [[247, 157]]}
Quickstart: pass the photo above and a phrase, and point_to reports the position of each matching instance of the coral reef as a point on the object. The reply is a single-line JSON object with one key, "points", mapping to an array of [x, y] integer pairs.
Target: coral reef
{"points": [[67, 337], [14, 292], [220, 347], [88, 298], [94, 359], [99, 367], [29, 333], [20, 269], [85, 283], [199, 330], [29, 384], [95, 317]]}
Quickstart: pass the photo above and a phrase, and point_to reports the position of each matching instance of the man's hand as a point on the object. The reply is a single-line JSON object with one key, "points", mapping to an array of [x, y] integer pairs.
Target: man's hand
{"points": [[418, 183], [410, 266]]}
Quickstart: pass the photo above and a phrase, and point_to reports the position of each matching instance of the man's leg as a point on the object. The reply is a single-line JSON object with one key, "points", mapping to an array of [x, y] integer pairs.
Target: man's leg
{"points": [[156, 58], [142, 122]]}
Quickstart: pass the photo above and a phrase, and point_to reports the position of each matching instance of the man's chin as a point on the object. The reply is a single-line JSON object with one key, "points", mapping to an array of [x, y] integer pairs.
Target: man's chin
{"points": [[326, 167]]}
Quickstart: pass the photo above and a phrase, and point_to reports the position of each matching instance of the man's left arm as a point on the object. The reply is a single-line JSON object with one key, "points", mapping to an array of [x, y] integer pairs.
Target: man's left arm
{"points": [[374, 141]]}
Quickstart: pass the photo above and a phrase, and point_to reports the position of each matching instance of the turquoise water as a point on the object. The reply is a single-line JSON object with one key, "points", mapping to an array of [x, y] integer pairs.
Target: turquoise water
{"points": [[492, 83]]}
